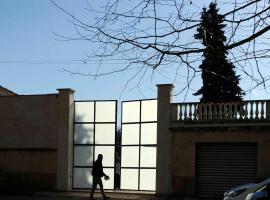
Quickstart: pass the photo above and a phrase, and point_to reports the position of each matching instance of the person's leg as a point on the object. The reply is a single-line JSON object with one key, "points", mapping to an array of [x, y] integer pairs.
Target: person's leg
{"points": [[94, 186], [101, 188]]}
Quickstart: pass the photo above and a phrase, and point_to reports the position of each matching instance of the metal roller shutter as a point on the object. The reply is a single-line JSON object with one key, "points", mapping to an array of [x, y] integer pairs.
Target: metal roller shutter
{"points": [[221, 166]]}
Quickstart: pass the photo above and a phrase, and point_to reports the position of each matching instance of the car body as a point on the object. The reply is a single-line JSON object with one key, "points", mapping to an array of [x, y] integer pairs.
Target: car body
{"points": [[256, 195], [241, 192], [262, 193]]}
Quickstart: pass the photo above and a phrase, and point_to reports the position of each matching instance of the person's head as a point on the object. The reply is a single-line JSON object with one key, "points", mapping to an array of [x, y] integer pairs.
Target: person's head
{"points": [[100, 157]]}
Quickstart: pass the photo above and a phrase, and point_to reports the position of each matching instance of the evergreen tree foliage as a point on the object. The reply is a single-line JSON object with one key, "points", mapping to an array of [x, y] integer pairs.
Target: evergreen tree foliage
{"points": [[220, 82]]}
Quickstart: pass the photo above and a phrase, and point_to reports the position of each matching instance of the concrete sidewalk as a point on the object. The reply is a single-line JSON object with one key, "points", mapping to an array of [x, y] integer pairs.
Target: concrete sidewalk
{"points": [[84, 196]]}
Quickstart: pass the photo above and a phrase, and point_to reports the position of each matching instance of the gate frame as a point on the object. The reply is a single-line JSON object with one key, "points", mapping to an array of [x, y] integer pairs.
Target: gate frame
{"points": [[139, 145], [94, 145]]}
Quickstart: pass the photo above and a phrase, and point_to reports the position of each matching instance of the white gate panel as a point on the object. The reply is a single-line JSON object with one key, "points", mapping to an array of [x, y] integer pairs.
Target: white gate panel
{"points": [[131, 111], [94, 133], [130, 156], [82, 156], [129, 179], [148, 156], [105, 111], [147, 179], [138, 145], [82, 178], [130, 134], [105, 134], [84, 112], [149, 133], [83, 133], [108, 155]]}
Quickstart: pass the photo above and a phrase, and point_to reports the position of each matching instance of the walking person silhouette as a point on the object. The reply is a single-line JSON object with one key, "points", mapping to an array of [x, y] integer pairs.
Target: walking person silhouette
{"points": [[97, 173]]}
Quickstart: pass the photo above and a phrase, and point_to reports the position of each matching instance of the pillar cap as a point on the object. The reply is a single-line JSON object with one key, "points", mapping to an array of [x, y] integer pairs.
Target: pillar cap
{"points": [[165, 85], [65, 90]]}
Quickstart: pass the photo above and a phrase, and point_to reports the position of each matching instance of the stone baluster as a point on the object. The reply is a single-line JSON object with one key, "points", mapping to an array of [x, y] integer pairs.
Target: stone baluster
{"points": [[180, 112], [190, 111], [230, 111], [224, 111], [204, 111], [185, 111], [235, 110], [219, 110], [214, 111], [241, 112], [256, 110], [195, 112], [262, 110], [251, 112], [210, 111], [267, 109], [200, 111], [246, 110]]}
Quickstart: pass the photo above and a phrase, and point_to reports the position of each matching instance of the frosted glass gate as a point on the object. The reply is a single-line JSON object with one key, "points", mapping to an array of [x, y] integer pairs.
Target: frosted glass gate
{"points": [[94, 133], [139, 139]]}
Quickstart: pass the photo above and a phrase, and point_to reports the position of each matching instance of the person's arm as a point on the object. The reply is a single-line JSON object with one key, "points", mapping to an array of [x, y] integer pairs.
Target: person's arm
{"points": [[106, 176]]}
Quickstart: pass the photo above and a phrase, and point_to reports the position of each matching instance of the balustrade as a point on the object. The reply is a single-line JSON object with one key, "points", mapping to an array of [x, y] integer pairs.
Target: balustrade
{"points": [[246, 110]]}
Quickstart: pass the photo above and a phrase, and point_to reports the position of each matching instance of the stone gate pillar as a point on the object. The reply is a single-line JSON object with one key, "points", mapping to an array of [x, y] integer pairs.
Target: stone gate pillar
{"points": [[164, 158], [65, 139]]}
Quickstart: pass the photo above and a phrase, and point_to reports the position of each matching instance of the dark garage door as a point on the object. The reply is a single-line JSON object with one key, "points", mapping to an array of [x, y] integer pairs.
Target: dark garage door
{"points": [[223, 166]]}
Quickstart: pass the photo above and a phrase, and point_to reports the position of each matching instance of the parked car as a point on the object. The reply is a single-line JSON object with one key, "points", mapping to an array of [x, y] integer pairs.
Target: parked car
{"points": [[241, 192], [261, 194]]}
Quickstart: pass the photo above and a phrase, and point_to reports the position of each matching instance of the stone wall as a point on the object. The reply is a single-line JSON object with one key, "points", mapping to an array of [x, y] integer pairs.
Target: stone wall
{"points": [[28, 144], [176, 144], [184, 153], [28, 122], [26, 169]]}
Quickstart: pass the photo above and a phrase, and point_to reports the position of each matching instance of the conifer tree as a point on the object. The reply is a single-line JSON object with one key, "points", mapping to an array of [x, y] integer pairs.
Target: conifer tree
{"points": [[220, 82]]}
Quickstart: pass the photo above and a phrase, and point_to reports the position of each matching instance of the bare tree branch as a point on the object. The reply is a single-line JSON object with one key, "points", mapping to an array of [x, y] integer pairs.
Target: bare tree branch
{"points": [[159, 34]]}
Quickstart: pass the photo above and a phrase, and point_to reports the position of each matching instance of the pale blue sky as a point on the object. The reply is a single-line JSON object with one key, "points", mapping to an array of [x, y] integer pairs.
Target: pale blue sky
{"points": [[27, 40], [26, 34]]}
